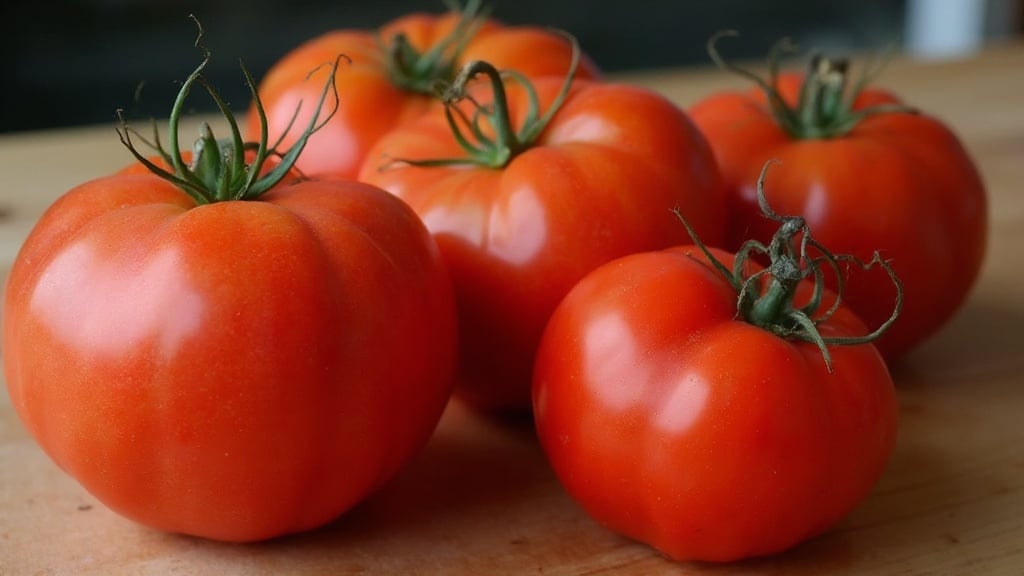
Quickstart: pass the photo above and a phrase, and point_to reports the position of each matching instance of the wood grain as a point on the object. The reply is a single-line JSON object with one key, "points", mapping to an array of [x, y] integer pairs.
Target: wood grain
{"points": [[481, 499]]}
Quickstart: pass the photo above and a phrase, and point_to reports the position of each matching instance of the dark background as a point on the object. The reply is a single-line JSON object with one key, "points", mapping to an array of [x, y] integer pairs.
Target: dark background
{"points": [[75, 62]]}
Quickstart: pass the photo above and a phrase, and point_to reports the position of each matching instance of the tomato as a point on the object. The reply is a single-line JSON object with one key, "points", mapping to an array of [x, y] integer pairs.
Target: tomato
{"points": [[674, 420], [226, 367], [393, 76], [590, 172], [867, 172]]}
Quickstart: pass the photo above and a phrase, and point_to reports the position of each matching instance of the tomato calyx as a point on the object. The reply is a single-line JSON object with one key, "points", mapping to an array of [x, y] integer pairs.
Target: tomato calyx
{"points": [[422, 72], [223, 169], [497, 150], [767, 298], [825, 106]]}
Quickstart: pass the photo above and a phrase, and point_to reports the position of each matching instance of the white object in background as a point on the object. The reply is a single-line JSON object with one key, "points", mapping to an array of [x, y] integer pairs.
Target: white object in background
{"points": [[945, 28]]}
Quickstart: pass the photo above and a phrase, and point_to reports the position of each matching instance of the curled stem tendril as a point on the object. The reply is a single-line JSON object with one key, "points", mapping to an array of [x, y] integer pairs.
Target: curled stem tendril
{"points": [[771, 307]]}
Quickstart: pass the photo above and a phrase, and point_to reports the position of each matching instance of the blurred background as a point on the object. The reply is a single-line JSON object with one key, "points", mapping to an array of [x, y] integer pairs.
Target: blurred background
{"points": [[74, 62]]}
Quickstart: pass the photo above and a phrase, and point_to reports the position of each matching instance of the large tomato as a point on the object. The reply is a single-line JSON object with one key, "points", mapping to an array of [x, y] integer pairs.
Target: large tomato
{"points": [[708, 434], [393, 75], [560, 178], [867, 173], [230, 368]]}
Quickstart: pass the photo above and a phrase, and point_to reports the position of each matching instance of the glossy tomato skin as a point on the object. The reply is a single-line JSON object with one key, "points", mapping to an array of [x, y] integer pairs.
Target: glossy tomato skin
{"points": [[371, 103], [238, 370], [673, 423], [899, 183], [600, 183]]}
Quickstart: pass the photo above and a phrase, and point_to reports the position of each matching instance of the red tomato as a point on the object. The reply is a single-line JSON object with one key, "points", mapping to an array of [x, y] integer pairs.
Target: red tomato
{"points": [[891, 180], [596, 182], [393, 76], [673, 422], [228, 369]]}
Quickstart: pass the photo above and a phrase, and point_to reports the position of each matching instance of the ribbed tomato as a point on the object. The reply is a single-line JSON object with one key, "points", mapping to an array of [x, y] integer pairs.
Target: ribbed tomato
{"points": [[218, 353]]}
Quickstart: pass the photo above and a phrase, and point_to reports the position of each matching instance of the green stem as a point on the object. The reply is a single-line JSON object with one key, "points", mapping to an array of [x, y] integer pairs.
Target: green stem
{"points": [[824, 108], [422, 72], [507, 142], [772, 305], [821, 101], [773, 308], [219, 170]]}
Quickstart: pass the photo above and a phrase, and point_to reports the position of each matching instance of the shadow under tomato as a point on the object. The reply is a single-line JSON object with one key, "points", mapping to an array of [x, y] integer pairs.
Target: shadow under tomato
{"points": [[475, 470], [482, 486]]}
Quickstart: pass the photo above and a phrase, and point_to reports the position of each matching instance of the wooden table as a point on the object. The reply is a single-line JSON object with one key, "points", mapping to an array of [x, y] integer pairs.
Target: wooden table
{"points": [[481, 499]]}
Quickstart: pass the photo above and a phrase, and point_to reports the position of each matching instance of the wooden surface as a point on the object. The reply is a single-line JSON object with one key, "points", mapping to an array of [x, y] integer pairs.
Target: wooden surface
{"points": [[481, 500]]}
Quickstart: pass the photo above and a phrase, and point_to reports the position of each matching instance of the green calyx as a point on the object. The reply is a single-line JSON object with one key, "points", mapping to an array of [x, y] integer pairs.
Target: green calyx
{"points": [[824, 108], [422, 72], [498, 146], [766, 298], [220, 170]]}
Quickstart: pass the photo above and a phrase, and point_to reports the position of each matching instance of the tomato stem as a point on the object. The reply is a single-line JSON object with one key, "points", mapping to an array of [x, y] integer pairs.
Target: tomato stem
{"points": [[825, 106], [507, 143], [220, 170], [790, 263], [422, 72]]}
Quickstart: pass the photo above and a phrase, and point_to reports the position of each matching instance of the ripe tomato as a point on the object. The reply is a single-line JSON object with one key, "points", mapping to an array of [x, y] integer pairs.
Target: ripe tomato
{"points": [[529, 212], [227, 368], [867, 174], [674, 422], [393, 75]]}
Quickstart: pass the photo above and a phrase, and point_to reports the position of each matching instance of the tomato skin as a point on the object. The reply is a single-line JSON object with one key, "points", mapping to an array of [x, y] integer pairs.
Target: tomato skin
{"points": [[899, 183], [371, 104], [228, 370], [703, 436], [599, 183]]}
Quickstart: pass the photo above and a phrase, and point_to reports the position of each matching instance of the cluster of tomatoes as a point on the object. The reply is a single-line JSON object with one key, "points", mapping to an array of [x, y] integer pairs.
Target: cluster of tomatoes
{"points": [[247, 339]]}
